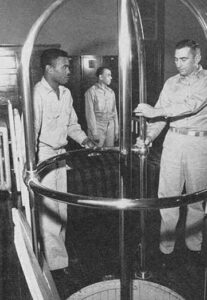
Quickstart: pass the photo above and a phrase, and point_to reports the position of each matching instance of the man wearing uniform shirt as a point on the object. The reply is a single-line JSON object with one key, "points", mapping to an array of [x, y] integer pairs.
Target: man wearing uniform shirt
{"points": [[100, 110], [182, 102], [55, 120]]}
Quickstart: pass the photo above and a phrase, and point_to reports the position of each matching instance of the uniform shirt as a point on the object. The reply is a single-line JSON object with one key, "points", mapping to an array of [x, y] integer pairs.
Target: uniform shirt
{"points": [[184, 100], [55, 119], [100, 105]]}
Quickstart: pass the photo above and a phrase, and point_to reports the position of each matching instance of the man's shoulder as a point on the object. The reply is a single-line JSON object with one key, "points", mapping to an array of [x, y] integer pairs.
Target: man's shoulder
{"points": [[38, 85], [173, 78], [39, 90], [92, 88], [96, 88]]}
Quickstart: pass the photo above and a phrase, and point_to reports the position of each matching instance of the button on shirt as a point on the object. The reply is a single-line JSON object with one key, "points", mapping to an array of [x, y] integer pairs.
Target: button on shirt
{"points": [[55, 118], [184, 100], [100, 105]]}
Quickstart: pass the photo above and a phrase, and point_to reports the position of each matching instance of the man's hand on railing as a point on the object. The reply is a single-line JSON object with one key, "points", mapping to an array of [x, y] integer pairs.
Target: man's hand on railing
{"points": [[89, 144]]}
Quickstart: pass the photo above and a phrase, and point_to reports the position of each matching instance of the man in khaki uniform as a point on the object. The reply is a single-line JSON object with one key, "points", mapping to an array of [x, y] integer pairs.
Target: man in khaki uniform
{"points": [[100, 110], [182, 102], [55, 119]]}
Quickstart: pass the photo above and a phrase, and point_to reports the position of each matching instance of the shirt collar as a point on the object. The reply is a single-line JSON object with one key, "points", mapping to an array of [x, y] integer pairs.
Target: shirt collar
{"points": [[193, 75], [49, 88], [99, 86]]}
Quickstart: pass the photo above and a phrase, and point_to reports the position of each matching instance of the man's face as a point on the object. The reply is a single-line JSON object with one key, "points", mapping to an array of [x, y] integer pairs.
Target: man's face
{"points": [[186, 62], [60, 70], [106, 77]]}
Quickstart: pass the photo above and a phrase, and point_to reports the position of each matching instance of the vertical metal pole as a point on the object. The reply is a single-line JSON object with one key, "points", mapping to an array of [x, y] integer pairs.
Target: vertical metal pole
{"points": [[125, 281], [125, 68], [125, 100], [27, 106], [204, 254], [139, 34]]}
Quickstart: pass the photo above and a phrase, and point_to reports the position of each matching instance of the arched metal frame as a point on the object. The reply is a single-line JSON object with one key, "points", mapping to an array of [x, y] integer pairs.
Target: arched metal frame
{"points": [[199, 9]]}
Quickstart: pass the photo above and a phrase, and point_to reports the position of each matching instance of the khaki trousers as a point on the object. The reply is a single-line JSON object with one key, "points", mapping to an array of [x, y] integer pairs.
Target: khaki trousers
{"points": [[105, 132], [183, 162], [53, 214]]}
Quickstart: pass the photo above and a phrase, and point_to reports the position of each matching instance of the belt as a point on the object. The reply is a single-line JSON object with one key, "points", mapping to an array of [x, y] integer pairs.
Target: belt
{"points": [[105, 119], [187, 131]]}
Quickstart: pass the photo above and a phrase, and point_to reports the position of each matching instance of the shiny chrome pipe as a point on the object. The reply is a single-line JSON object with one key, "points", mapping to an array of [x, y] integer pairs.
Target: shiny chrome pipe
{"points": [[98, 202], [142, 152], [139, 36], [27, 106], [125, 79], [125, 110], [26, 88]]}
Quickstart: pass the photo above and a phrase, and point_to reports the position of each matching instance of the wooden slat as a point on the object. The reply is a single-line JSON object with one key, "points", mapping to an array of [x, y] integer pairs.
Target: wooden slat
{"points": [[5, 174]]}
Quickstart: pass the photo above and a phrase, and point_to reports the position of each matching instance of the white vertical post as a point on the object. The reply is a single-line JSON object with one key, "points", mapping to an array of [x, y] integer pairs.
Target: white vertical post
{"points": [[20, 147], [13, 145]]}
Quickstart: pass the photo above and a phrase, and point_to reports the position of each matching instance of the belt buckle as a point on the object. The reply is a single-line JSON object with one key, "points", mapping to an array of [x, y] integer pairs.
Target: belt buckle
{"points": [[192, 133]]}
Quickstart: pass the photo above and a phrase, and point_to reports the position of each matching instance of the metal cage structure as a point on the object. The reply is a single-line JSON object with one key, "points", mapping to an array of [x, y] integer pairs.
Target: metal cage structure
{"points": [[127, 9]]}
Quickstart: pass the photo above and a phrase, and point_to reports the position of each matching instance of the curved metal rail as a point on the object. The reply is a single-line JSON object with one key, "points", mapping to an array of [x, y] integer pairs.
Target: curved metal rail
{"points": [[27, 107], [103, 202], [199, 10], [26, 87]]}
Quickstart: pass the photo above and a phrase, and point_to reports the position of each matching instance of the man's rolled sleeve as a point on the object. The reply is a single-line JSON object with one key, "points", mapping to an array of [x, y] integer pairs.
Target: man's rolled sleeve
{"points": [[74, 129], [154, 129]]}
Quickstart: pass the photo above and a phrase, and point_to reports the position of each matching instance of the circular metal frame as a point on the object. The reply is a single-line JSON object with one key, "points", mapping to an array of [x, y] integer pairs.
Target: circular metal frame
{"points": [[103, 202]]}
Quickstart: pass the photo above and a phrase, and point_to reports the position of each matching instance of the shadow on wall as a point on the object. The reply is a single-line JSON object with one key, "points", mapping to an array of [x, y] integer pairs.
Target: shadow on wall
{"points": [[84, 27], [96, 46]]}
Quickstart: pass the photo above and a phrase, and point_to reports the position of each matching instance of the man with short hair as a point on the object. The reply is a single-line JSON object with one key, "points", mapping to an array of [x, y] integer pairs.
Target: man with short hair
{"points": [[55, 120], [100, 110], [182, 103]]}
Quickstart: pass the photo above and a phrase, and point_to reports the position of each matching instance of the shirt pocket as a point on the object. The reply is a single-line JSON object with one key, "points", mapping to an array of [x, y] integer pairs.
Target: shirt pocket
{"points": [[99, 103]]}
